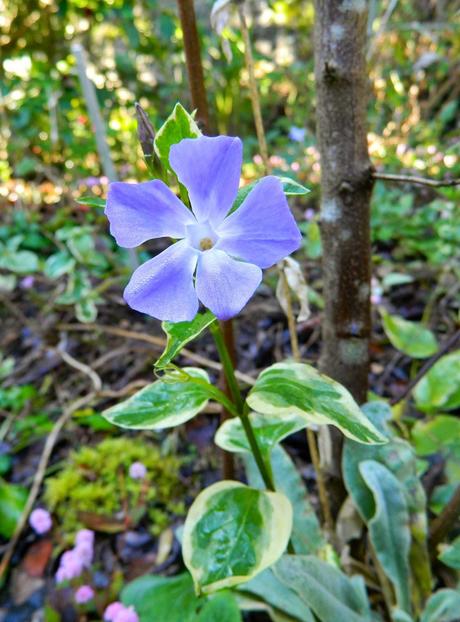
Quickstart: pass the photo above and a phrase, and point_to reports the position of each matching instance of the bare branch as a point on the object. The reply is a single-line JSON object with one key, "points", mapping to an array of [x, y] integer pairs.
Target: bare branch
{"points": [[422, 181]]}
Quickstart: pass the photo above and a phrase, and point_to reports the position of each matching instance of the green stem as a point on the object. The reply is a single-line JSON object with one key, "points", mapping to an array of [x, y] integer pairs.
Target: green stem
{"points": [[243, 414]]}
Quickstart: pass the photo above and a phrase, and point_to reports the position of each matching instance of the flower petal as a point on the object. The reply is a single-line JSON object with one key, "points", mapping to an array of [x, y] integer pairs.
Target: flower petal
{"points": [[163, 286], [210, 170], [262, 230], [223, 284], [140, 212]]}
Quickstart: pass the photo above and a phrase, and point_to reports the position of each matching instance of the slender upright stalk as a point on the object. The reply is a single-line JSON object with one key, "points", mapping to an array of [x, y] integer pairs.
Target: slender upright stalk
{"points": [[200, 103], [232, 382], [254, 93], [311, 438]]}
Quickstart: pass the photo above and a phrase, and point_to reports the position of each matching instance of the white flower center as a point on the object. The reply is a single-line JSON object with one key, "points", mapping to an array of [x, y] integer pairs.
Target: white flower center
{"points": [[201, 236]]}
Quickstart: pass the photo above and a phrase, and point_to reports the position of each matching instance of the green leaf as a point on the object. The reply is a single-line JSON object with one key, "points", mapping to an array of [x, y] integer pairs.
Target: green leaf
{"points": [[19, 262], [233, 532], [396, 278], [450, 554], [290, 188], [181, 333], [269, 430], [162, 404], [328, 592], [443, 606], [412, 338], [12, 502], [389, 528], [288, 388], [58, 264], [399, 457], [441, 434], [307, 536], [86, 311], [275, 593], [223, 607], [439, 389], [163, 598], [179, 125], [92, 201]]}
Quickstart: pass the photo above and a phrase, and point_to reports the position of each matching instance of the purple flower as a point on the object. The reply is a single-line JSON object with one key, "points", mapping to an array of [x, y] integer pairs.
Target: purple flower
{"points": [[297, 134], [84, 535], [218, 257], [117, 612], [113, 610], [84, 551], [40, 520], [27, 282], [70, 567], [84, 594], [127, 614], [137, 470]]}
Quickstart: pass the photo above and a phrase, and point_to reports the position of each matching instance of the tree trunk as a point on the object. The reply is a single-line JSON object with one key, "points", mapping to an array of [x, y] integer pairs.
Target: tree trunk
{"points": [[346, 187]]}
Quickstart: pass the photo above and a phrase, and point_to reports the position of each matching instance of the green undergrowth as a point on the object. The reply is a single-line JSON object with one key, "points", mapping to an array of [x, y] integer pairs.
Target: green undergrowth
{"points": [[95, 490]]}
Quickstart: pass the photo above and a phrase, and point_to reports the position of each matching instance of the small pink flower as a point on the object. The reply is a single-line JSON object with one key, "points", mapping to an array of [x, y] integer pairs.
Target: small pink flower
{"points": [[137, 470], [295, 166], [40, 520], [258, 159], [84, 551], [70, 567], [127, 614], [84, 535], [27, 282], [309, 214], [113, 610], [84, 594]]}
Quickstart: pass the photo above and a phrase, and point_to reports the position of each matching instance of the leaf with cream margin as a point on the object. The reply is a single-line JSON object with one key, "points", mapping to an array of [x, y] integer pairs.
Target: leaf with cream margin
{"points": [[163, 404], [232, 532], [412, 338], [389, 528], [269, 430], [328, 592], [297, 388]]}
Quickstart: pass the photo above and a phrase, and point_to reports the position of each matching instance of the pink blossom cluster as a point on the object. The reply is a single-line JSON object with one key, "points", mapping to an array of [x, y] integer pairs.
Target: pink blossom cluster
{"points": [[84, 594], [117, 612], [137, 470], [40, 520], [74, 561]]}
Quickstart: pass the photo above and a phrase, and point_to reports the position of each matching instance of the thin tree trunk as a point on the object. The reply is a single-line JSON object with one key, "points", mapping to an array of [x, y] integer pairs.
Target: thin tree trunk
{"points": [[346, 188]]}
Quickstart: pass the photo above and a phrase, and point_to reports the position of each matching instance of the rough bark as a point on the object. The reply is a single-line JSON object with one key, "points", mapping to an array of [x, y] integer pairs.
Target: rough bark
{"points": [[346, 187]]}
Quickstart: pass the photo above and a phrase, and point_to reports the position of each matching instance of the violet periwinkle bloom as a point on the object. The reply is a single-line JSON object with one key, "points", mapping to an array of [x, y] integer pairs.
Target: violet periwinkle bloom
{"points": [[84, 594], [218, 257], [297, 134], [40, 520], [137, 470]]}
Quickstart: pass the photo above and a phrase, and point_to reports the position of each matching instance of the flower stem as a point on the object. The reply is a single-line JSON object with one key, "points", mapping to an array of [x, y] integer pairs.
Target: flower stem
{"points": [[232, 382]]}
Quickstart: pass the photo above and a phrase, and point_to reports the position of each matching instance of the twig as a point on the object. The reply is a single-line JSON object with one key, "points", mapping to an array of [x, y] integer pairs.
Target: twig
{"points": [[39, 475], [423, 181], [254, 93], [446, 346], [311, 438], [442, 525], [84, 369], [157, 341]]}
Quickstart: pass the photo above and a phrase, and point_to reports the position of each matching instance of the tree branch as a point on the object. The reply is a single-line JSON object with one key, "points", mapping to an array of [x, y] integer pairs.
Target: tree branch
{"points": [[422, 181]]}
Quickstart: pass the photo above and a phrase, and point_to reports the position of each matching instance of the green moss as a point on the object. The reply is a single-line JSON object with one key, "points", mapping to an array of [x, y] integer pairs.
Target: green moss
{"points": [[96, 481]]}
